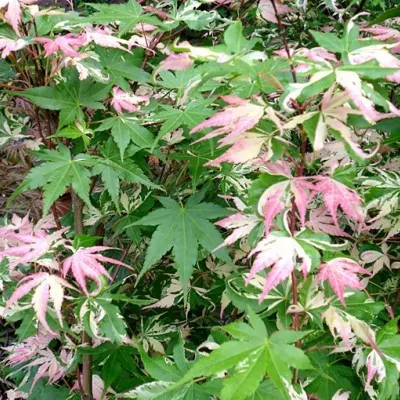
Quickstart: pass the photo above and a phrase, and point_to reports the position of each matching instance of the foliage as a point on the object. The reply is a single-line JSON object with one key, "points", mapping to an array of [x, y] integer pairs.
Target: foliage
{"points": [[213, 192]]}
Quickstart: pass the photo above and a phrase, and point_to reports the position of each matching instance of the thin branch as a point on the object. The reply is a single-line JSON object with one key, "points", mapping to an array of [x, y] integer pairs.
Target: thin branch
{"points": [[282, 32]]}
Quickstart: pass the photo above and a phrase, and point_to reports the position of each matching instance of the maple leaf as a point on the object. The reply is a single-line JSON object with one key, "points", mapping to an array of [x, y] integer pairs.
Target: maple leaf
{"points": [[126, 101], [17, 224], [375, 366], [341, 272], [280, 253], [274, 199], [174, 62], [236, 119], [68, 44], [352, 84], [383, 33], [29, 247], [378, 258], [9, 45], [86, 263], [58, 171], [182, 228], [103, 37], [13, 14], [241, 224], [336, 194], [333, 116], [244, 149], [49, 365], [30, 347], [321, 221], [267, 10], [47, 286]]}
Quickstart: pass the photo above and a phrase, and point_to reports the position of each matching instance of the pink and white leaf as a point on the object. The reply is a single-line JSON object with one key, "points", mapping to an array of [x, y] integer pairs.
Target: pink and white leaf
{"points": [[47, 286], [126, 101], [321, 221], [244, 149], [174, 62], [339, 326], [279, 253], [67, 44], [235, 120], [303, 193], [375, 368], [272, 202], [351, 82], [267, 10], [241, 224], [346, 134], [103, 37], [86, 263], [9, 45], [336, 194], [341, 273]]}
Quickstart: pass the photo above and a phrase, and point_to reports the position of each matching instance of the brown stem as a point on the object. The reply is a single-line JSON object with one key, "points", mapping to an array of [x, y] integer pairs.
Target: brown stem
{"points": [[282, 32], [11, 87], [396, 301], [77, 208]]}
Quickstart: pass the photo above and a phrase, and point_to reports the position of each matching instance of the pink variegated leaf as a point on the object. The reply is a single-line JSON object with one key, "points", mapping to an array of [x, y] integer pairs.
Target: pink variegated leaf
{"points": [[67, 44], [245, 149], [272, 202], [86, 263], [126, 101], [321, 221], [47, 286], [280, 167], [9, 45], [303, 193], [339, 326], [241, 224], [29, 247], [346, 134], [375, 367], [352, 84], [234, 120], [174, 62], [30, 347], [341, 272], [383, 33], [336, 194], [267, 10], [281, 254], [103, 37]]}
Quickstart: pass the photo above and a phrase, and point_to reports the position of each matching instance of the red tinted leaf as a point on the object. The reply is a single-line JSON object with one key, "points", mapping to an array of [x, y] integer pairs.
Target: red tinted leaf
{"points": [[341, 272]]}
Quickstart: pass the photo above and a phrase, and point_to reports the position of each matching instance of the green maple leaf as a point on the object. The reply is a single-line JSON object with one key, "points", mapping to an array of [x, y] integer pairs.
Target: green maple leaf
{"points": [[125, 129], [58, 171], [68, 97], [195, 112], [249, 357], [182, 228], [122, 66], [112, 170], [128, 15]]}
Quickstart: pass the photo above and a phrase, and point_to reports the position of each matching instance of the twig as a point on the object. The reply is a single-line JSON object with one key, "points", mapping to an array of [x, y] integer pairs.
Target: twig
{"points": [[282, 32]]}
